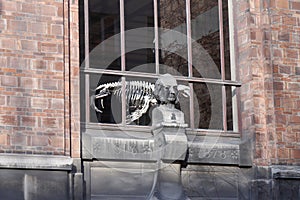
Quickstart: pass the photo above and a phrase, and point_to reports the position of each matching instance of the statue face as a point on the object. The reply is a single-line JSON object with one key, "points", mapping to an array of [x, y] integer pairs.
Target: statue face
{"points": [[166, 89], [169, 93]]}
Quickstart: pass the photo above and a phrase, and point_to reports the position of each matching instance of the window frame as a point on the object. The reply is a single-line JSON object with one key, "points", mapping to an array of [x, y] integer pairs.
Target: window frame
{"points": [[190, 79]]}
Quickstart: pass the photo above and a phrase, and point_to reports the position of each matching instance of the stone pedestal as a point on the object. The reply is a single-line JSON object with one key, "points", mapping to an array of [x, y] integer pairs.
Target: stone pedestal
{"points": [[171, 145]]}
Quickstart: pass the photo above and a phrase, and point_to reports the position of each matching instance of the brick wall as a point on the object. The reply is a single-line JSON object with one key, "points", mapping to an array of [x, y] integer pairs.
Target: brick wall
{"points": [[268, 43], [34, 76]]}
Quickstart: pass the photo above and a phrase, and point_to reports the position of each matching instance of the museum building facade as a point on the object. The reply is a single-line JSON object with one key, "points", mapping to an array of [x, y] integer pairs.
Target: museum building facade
{"points": [[79, 99]]}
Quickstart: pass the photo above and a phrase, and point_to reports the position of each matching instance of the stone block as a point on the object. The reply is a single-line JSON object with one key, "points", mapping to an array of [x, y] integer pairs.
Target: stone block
{"points": [[119, 180], [33, 185]]}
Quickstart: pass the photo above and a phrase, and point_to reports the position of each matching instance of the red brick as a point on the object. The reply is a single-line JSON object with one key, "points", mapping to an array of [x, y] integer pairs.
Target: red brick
{"points": [[288, 20], [18, 139], [9, 5], [39, 64], [294, 86], [32, 57], [57, 30], [295, 153], [3, 24], [60, 11], [28, 121], [292, 53], [56, 141], [295, 119], [277, 53], [49, 48], [3, 139], [283, 153], [41, 103], [59, 66], [38, 27], [289, 137], [278, 85], [8, 120], [48, 10], [28, 83], [9, 81], [282, 4], [28, 8], [295, 5], [8, 43], [18, 63], [29, 45], [2, 100], [18, 101], [19, 26], [40, 141], [49, 84], [50, 123], [57, 104], [284, 36], [285, 69]]}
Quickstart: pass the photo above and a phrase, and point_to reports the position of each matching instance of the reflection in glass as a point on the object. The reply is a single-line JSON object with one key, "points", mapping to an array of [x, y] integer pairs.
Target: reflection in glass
{"points": [[104, 23], [226, 40], [205, 31], [173, 39], [230, 93], [208, 106], [184, 103], [81, 32], [139, 37]]}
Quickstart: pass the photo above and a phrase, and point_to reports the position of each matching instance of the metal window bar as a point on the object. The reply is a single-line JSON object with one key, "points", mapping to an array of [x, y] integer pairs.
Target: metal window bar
{"points": [[86, 60], [156, 35], [152, 75], [190, 60], [123, 62], [236, 115], [222, 57]]}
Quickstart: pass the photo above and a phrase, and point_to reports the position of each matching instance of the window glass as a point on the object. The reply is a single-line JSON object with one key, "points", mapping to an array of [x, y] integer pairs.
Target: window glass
{"points": [[208, 106], [107, 99], [205, 33], [139, 99], [173, 38], [139, 35], [142, 22], [104, 29], [226, 36], [230, 95]]}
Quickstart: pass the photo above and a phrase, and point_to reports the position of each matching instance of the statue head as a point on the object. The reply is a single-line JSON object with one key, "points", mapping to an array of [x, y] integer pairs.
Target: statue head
{"points": [[166, 91]]}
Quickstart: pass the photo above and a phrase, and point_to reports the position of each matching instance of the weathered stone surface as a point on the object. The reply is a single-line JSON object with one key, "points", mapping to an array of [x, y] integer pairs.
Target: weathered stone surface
{"points": [[34, 185], [117, 180], [115, 145]]}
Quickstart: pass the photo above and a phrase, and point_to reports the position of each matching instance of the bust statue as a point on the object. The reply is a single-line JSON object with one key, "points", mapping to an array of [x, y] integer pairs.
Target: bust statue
{"points": [[171, 143], [166, 93]]}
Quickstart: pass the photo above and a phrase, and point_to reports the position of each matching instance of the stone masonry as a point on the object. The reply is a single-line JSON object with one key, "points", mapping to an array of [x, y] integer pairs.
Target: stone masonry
{"points": [[39, 74]]}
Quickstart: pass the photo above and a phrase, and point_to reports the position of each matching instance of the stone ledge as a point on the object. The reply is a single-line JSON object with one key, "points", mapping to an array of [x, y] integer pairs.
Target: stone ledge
{"points": [[286, 172], [23, 161]]}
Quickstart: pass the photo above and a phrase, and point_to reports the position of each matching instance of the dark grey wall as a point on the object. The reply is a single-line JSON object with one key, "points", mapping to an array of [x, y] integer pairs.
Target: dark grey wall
{"points": [[22, 184]]}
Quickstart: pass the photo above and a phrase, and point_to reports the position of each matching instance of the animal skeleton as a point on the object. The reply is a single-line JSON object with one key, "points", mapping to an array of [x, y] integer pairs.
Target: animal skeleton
{"points": [[139, 96]]}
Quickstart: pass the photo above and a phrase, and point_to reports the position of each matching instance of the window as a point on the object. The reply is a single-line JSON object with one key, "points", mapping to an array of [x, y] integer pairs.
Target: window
{"points": [[137, 40]]}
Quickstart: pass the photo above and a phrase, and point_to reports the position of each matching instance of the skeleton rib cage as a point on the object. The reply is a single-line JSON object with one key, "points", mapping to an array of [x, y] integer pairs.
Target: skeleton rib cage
{"points": [[139, 96]]}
